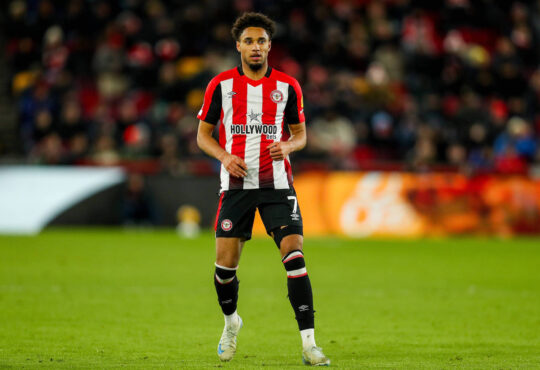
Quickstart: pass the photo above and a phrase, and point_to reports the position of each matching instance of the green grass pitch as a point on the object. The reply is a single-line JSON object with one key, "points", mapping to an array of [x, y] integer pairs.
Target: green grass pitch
{"points": [[111, 299]]}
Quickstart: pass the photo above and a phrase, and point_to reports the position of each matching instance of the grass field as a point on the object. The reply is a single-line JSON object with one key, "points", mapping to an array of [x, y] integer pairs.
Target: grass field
{"points": [[111, 299]]}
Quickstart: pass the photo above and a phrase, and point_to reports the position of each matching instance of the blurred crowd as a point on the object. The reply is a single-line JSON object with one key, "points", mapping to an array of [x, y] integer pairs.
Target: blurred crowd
{"points": [[417, 84]]}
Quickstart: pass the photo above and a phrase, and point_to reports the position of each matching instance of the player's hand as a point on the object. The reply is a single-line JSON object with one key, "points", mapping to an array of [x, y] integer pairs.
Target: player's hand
{"points": [[279, 150], [234, 165]]}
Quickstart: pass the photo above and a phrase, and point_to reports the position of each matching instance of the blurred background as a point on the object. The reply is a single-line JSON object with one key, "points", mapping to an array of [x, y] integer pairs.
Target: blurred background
{"points": [[423, 117]]}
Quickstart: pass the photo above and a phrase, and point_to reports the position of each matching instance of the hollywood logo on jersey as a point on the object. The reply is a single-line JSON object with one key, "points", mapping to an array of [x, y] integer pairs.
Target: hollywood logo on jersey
{"points": [[254, 116], [255, 129], [269, 130]]}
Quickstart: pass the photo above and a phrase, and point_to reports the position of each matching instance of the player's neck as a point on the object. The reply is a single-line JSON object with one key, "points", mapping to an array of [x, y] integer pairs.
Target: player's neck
{"points": [[254, 75]]}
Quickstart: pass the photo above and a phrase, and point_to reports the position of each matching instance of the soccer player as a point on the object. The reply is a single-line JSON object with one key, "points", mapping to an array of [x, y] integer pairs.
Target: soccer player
{"points": [[251, 103]]}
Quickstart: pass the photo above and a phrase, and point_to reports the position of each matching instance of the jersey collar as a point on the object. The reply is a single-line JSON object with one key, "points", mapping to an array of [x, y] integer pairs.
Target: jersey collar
{"points": [[241, 73]]}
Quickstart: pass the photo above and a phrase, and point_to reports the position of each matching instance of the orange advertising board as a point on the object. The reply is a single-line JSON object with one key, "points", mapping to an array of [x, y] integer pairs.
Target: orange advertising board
{"points": [[386, 204], [370, 204]]}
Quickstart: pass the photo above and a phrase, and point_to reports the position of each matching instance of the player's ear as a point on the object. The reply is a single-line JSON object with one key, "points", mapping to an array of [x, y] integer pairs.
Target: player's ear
{"points": [[238, 46], [269, 45]]}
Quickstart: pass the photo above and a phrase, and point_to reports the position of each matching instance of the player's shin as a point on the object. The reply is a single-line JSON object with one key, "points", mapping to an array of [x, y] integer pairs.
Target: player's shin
{"points": [[226, 284], [300, 295]]}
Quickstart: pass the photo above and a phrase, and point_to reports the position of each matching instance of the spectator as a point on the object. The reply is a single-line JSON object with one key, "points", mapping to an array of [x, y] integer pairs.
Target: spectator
{"points": [[333, 137], [517, 141], [390, 71], [105, 151]]}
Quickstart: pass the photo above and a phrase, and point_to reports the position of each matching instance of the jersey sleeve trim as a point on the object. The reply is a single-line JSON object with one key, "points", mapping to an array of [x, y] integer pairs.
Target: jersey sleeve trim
{"points": [[294, 110], [211, 109]]}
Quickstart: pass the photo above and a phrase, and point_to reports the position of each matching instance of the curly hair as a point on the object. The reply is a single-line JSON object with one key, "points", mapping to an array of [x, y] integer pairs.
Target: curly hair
{"points": [[252, 20]]}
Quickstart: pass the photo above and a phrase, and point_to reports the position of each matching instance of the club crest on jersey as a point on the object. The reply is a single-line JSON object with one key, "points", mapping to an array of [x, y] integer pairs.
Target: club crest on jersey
{"points": [[226, 224], [276, 96]]}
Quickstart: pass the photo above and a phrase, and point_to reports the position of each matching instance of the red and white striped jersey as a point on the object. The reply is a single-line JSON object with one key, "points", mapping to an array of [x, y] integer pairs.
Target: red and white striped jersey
{"points": [[251, 116]]}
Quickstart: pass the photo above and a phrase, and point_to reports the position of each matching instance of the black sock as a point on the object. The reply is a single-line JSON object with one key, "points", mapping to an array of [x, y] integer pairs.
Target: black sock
{"points": [[299, 287], [226, 284]]}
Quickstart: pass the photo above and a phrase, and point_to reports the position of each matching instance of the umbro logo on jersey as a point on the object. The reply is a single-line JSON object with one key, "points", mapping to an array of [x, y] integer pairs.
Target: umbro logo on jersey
{"points": [[231, 94]]}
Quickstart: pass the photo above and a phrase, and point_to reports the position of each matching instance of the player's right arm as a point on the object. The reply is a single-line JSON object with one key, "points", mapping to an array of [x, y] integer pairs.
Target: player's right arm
{"points": [[209, 117], [232, 163]]}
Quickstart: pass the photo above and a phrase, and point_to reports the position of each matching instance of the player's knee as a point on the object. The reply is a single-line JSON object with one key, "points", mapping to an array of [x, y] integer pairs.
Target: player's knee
{"points": [[225, 275], [227, 257], [227, 261], [294, 264], [291, 243], [280, 233]]}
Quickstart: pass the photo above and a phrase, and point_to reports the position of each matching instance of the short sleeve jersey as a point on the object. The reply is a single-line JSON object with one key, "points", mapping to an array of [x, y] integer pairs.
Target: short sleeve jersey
{"points": [[251, 115]]}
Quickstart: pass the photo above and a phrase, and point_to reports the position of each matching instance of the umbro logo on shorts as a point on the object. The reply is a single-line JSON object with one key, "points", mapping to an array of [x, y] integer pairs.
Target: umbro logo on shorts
{"points": [[226, 225]]}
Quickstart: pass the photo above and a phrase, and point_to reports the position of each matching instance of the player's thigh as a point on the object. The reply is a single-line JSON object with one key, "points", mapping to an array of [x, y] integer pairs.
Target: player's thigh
{"points": [[236, 214], [228, 251], [280, 210]]}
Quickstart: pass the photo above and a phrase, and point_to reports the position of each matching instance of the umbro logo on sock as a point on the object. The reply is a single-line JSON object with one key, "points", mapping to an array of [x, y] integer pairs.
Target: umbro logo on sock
{"points": [[226, 301], [303, 308]]}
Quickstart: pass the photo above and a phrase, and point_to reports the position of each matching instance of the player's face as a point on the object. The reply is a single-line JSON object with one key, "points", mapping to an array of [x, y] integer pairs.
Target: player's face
{"points": [[254, 46]]}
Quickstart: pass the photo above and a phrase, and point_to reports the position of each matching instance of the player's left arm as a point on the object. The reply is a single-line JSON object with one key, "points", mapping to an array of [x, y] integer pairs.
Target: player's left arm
{"points": [[279, 150]]}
